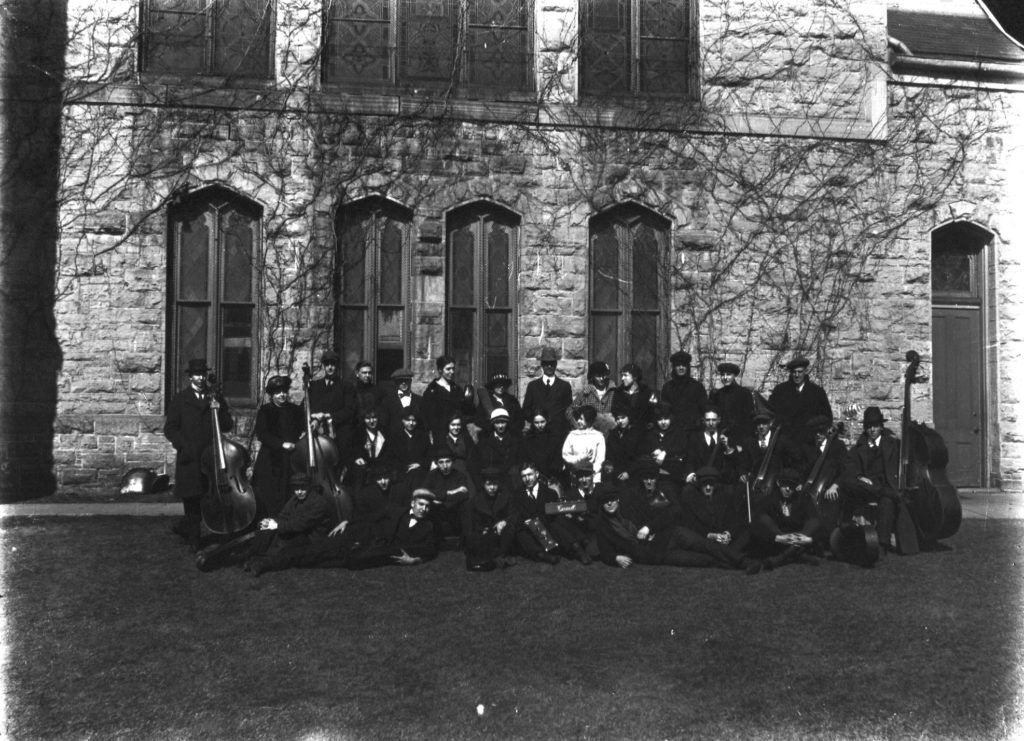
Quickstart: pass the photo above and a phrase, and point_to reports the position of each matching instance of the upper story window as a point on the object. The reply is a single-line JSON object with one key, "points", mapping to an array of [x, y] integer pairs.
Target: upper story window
{"points": [[637, 47], [215, 240], [484, 45], [229, 38]]}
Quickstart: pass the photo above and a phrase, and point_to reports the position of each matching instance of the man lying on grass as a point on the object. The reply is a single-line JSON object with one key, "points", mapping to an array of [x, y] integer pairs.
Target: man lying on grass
{"points": [[625, 538]]}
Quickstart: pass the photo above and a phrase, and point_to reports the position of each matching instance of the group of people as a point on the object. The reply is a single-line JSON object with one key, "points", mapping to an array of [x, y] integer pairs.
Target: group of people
{"points": [[615, 472]]}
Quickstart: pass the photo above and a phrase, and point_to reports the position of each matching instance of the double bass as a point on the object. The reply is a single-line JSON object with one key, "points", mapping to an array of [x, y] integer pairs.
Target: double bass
{"points": [[932, 499], [229, 503], [318, 457]]}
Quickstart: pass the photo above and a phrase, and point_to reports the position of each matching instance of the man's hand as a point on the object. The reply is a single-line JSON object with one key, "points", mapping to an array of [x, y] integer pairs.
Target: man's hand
{"points": [[691, 477], [643, 533], [500, 526], [624, 561], [832, 492], [268, 524], [724, 537], [338, 529], [865, 479], [405, 559], [288, 446]]}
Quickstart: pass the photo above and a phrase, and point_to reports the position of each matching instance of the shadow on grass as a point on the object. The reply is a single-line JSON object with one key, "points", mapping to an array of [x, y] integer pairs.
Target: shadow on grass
{"points": [[112, 632]]}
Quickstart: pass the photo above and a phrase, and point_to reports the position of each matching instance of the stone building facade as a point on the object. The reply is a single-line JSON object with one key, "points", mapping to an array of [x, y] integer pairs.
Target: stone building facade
{"points": [[745, 180]]}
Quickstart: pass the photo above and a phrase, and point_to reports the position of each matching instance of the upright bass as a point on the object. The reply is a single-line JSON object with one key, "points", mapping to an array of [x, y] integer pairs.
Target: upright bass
{"points": [[229, 503], [932, 499], [318, 457]]}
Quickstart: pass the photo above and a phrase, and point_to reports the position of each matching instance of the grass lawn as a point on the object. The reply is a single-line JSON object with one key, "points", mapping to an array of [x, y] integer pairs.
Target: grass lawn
{"points": [[111, 632]]}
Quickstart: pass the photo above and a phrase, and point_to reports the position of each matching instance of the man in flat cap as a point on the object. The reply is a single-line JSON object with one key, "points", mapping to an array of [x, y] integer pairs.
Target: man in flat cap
{"points": [[399, 399], [735, 402], [685, 395], [716, 511], [550, 394], [797, 400]]}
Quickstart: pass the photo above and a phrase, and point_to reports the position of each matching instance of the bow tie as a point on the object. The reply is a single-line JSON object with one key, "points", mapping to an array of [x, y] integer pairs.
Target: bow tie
{"points": [[403, 394]]}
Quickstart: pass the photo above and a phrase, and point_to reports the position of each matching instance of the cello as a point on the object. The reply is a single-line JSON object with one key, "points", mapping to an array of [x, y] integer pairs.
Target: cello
{"points": [[318, 457], [229, 504], [932, 499]]}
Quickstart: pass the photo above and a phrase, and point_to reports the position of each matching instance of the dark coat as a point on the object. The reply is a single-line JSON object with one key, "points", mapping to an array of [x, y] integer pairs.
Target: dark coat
{"points": [[553, 401], [834, 467], [326, 395], [771, 518], [189, 428], [674, 442], [622, 448], [542, 450], [405, 449], [439, 404], [794, 408], [615, 537], [730, 465], [883, 471], [736, 404], [274, 427], [723, 511], [786, 454], [688, 399], [312, 517], [503, 453], [488, 402], [640, 404], [392, 410]]}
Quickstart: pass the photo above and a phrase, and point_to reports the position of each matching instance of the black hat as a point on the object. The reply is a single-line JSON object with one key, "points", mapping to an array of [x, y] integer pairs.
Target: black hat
{"points": [[729, 368], [798, 362], [499, 379], [788, 476], [584, 467], [873, 416], [598, 368], [377, 471], [763, 416], [605, 492], [646, 468], [548, 355], [818, 422], [330, 356], [299, 481], [708, 473], [196, 367], [442, 451], [662, 410], [401, 374], [278, 383], [680, 358], [492, 473]]}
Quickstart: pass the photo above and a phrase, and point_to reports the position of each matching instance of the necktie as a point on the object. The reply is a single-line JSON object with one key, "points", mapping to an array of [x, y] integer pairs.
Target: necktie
{"points": [[764, 444]]}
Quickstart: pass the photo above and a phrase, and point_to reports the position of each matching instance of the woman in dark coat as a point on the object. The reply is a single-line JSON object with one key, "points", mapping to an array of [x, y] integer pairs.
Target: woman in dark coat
{"points": [[279, 424], [443, 397], [635, 396]]}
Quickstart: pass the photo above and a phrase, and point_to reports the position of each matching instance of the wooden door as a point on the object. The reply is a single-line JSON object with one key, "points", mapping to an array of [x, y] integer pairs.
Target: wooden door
{"points": [[957, 386], [958, 348]]}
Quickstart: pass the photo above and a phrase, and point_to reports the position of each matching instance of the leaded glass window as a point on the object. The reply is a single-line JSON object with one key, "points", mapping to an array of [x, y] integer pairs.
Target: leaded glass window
{"points": [[628, 250], [215, 241], [371, 319], [482, 242], [636, 47], [484, 45], [230, 38]]}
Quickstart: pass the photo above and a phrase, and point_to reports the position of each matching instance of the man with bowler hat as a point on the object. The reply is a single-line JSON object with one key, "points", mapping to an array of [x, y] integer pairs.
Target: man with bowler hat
{"points": [[189, 429], [549, 394]]}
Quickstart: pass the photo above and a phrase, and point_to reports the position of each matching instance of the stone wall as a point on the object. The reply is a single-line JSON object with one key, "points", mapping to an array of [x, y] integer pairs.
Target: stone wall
{"points": [[780, 244]]}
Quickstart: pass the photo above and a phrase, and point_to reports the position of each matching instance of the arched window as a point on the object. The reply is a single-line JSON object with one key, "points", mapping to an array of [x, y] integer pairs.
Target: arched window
{"points": [[628, 252], [215, 238], [482, 248], [371, 285]]}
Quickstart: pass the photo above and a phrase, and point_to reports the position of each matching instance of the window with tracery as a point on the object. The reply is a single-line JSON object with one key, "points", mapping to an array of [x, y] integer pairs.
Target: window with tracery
{"points": [[215, 240], [484, 45], [230, 38], [371, 285], [481, 291], [628, 250], [637, 47]]}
